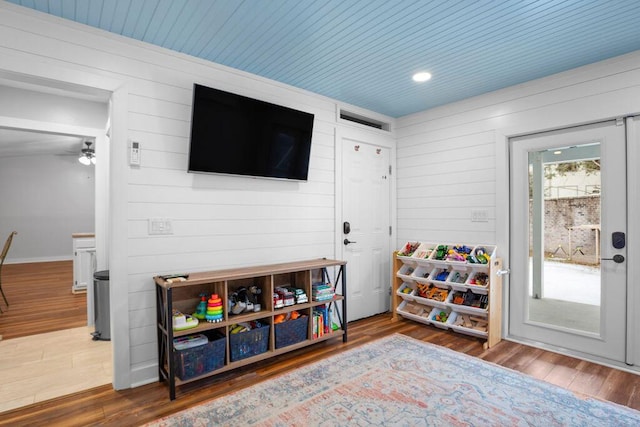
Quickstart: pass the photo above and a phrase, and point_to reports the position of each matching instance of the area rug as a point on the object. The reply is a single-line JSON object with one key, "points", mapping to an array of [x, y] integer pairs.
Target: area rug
{"points": [[400, 381]]}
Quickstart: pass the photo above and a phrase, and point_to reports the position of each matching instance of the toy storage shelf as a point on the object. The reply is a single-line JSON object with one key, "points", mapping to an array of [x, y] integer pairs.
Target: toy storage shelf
{"points": [[185, 295], [473, 289]]}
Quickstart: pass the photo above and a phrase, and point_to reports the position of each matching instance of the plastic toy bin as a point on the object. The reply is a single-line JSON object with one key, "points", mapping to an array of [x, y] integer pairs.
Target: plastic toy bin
{"points": [[291, 332], [195, 361], [249, 343]]}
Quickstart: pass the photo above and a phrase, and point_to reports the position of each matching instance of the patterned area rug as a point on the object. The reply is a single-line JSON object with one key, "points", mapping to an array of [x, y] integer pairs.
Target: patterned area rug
{"points": [[400, 381]]}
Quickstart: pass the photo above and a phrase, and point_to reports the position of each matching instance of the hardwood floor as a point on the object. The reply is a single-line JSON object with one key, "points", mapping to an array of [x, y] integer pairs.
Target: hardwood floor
{"points": [[104, 406], [40, 299]]}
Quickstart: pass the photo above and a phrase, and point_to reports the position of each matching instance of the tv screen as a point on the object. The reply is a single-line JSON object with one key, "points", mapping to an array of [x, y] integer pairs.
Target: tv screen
{"points": [[234, 134]]}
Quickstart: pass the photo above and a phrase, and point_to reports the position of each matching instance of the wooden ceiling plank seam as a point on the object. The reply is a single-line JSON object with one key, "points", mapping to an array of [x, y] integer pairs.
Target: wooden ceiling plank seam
{"points": [[448, 74], [288, 37], [382, 50], [188, 29], [358, 37], [132, 19], [390, 61], [211, 45], [380, 44], [156, 21], [144, 21], [120, 12], [253, 24], [179, 18], [213, 21], [300, 47], [265, 41], [550, 49], [82, 12]]}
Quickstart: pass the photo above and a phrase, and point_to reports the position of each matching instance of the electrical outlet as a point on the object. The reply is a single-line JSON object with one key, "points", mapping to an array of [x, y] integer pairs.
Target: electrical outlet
{"points": [[479, 215]]}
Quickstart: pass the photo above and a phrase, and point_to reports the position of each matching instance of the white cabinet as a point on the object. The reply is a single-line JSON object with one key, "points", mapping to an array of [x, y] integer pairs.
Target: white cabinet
{"points": [[84, 249], [449, 286]]}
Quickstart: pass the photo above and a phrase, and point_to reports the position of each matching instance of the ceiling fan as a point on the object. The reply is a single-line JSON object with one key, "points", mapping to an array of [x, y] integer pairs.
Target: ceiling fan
{"points": [[87, 155]]}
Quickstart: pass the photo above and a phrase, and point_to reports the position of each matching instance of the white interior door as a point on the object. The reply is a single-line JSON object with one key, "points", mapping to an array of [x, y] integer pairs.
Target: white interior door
{"points": [[567, 294], [365, 207]]}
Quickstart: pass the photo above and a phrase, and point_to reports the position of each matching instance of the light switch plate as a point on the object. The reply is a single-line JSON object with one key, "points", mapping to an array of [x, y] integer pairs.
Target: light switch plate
{"points": [[160, 226], [479, 215]]}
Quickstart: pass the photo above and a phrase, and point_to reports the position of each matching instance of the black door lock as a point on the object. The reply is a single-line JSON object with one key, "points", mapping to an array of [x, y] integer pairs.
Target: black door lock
{"points": [[616, 258]]}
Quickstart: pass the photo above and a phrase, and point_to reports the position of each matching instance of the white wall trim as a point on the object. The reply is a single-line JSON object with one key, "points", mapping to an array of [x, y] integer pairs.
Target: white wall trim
{"points": [[118, 251], [39, 259]]}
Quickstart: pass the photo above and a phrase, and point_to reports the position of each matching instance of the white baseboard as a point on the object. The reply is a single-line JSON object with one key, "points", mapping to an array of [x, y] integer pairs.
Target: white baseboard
{"points": [[40, 259]]}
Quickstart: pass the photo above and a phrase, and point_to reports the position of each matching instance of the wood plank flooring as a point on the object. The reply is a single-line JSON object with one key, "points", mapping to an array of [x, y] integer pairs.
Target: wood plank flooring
{"points": [[40, 299], [30, 287], [104, 406]]}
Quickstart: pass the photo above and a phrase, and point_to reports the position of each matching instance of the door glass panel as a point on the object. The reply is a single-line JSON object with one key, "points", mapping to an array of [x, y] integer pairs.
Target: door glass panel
{"points": [[564, 238]]}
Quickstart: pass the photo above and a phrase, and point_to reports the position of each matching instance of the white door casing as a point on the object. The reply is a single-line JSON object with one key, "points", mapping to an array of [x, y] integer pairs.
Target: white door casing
{"points": [[610, 342]]}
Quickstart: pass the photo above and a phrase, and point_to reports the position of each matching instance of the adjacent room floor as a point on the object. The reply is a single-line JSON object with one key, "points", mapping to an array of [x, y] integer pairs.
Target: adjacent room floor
{"points": [[40, 367]]}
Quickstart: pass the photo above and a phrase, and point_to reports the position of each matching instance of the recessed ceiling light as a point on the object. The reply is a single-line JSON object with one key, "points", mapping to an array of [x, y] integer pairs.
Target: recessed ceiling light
{"points": [[422, 76]]}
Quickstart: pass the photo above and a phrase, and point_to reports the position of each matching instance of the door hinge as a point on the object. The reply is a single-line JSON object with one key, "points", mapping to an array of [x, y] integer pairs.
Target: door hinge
{"points": [[389, 169], [619, 121], [390, 229]]}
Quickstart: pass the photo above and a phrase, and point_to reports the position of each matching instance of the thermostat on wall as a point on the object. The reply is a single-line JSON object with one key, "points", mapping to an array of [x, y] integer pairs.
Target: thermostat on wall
{"points": [[134, 155]]}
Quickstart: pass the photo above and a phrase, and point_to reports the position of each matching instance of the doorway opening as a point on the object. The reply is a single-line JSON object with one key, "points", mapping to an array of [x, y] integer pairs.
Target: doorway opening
{"points": [[42, 135]]}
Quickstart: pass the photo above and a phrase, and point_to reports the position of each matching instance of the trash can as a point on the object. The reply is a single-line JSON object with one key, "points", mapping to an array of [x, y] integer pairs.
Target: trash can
{"points": [[101, 306]]}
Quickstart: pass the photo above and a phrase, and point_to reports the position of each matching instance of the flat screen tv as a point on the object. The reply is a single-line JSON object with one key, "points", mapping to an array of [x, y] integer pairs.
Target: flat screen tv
{"points": [[234, 134]]}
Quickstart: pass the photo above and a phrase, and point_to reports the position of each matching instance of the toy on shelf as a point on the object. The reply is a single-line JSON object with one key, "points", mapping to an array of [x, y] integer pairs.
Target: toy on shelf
{"points": [[214, 309], [471, 322], [281, 318], [238, 328], [440, 317], [322, 291], [479, 256], [287, 295], [458, 253], [409, 249], [432, 292], [183, 321], [441, 252], [201, 309], [458, 277], [480, 279], [245, 300]]}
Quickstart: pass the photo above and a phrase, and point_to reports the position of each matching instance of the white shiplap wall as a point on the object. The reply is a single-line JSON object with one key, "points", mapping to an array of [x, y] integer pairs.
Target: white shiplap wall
{"points": [[218, 221], [453, 159]]}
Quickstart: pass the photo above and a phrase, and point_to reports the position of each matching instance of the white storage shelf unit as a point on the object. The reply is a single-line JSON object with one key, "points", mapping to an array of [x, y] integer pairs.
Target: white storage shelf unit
{"points": [[449, 286]]}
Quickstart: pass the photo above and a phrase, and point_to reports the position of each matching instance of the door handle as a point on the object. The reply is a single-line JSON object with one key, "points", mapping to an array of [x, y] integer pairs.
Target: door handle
{"points": [[616, 258], [347, 241]]}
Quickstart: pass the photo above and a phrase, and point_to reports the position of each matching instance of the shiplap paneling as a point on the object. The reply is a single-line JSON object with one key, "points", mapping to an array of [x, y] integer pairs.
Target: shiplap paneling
{"points": [[219, 221], [593, 93]]}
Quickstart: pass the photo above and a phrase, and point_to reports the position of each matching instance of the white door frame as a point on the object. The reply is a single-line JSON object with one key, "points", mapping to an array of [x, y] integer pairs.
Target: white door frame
{"points": [[32, 72], [376, 137], [610, 340], [537, 124]]}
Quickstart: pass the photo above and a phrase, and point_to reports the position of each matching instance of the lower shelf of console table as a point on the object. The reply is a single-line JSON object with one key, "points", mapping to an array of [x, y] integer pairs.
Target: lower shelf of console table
{"points": [[223, 352]]}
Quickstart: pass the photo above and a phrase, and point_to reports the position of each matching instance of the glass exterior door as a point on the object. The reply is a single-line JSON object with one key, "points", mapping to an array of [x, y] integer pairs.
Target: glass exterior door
{"points": [[568, 196]]}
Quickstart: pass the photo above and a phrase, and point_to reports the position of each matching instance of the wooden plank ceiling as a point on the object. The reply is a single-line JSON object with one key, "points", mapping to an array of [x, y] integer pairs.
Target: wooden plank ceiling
{"points": [[364, 52]]}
